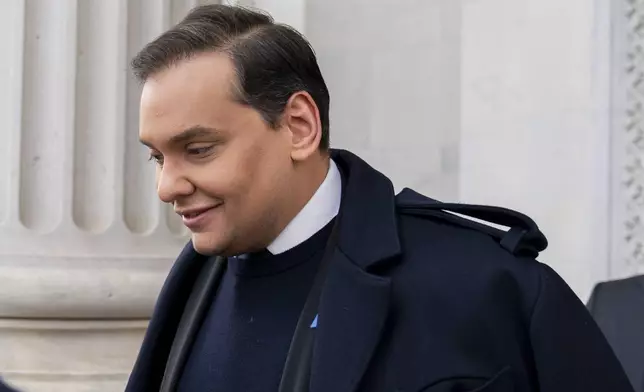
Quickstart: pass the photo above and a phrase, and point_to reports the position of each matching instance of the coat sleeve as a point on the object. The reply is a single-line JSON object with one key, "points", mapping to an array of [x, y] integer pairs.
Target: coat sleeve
{"points": [[570, 352], [6, 388]]}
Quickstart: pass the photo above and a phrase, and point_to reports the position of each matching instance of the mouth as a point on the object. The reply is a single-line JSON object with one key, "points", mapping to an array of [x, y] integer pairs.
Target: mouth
{"points": [[196, 219]]}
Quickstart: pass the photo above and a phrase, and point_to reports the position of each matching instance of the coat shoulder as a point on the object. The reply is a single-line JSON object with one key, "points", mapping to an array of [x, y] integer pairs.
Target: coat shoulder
{"points": [[522, 237], [452, 247]]}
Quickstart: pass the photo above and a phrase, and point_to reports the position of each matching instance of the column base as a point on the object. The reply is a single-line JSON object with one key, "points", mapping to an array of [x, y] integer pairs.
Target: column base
{"points": [[69, 355]]}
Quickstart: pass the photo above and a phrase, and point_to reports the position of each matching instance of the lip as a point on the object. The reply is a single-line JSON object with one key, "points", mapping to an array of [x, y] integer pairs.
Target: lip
{"points": [[196, 218]]}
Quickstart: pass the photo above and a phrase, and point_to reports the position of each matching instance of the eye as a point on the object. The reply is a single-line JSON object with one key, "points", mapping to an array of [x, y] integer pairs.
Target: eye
{"points": [[156, 157], [199, 150]]}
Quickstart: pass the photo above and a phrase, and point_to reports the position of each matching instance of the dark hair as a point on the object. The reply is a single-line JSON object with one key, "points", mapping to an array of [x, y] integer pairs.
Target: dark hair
{"points": [[272, 61]]}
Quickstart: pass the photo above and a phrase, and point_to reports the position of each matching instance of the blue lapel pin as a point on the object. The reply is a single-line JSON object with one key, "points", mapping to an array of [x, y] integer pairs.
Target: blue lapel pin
{"points": [[314, 324]]}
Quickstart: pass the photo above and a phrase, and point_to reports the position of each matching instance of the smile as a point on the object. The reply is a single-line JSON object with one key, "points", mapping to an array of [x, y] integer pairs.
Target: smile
{"points": [[197, 219]]}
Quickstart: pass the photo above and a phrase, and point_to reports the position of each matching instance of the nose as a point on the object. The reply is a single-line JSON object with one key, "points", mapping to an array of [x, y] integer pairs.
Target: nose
{"points": [[172, 184]]}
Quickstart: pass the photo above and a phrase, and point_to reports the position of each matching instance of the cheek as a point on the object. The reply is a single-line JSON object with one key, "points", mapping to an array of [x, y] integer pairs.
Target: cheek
{"points": [[230, 177], [245, 176], [215, 181], [257, 176]]}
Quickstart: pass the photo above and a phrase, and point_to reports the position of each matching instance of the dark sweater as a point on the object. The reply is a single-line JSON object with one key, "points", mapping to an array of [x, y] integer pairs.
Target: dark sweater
{"points": [[244, 340]]}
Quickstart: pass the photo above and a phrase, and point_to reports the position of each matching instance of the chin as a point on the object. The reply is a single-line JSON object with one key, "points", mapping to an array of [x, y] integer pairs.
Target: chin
{"points": [[206, 244]]}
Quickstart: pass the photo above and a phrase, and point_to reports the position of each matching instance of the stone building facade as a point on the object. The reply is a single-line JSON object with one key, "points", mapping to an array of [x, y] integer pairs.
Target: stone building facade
{"points": [[532, 105]]}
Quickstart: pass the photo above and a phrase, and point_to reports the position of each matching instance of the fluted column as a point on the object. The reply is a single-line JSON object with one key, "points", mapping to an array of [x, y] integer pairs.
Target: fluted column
{"points": [[84, 242]]}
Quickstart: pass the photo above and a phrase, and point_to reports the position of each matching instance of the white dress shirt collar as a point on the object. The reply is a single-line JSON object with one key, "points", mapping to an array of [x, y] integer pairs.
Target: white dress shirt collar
{"points": [[320, 210]]}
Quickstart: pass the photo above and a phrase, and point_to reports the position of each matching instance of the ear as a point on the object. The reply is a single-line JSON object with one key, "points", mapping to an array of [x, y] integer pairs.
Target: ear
{"points": [[302, 120]]}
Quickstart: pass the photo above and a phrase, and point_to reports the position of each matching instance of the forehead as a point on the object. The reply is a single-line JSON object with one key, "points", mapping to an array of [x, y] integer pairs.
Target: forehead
{"points": [[210, 73], [194, 92]]}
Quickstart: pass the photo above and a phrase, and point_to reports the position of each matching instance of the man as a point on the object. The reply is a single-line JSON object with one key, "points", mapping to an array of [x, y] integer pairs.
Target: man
{"points": [[305, 271], [618, 308]]}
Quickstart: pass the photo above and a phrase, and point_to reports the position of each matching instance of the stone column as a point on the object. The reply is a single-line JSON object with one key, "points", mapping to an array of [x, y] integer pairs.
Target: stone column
{"points": [[84, 242]]}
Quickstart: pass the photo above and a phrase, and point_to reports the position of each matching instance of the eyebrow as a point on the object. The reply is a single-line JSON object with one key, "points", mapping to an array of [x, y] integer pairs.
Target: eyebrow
{"points": [[189, 134]]}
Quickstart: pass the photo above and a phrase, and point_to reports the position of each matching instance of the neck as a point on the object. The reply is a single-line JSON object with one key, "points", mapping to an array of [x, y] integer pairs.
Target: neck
{"points": [[308, 177]]}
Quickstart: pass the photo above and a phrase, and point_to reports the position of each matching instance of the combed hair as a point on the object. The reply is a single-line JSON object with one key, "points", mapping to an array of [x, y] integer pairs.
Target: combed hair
{"points": [[272, 61]]}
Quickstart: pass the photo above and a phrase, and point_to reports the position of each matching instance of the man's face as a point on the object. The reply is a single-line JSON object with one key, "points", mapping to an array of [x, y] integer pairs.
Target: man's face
{"points": [[221, 166]]}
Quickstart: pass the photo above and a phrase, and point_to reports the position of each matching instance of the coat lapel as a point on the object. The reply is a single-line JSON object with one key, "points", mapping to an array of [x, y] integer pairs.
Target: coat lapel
{"points": [[151, 361], [353, 310], [355, 301]]}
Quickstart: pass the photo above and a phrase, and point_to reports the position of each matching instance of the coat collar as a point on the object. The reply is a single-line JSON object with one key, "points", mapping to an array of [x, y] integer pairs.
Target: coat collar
{"points": [[368, 229]]}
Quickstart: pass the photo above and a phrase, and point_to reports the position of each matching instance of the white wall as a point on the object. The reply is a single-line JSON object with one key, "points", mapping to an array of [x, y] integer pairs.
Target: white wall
{"points": [[535, 132], [393, 71]]}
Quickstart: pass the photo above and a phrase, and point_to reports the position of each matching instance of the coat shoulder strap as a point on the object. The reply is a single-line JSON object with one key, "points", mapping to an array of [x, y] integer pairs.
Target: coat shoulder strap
{"points": [[523, 238]]}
